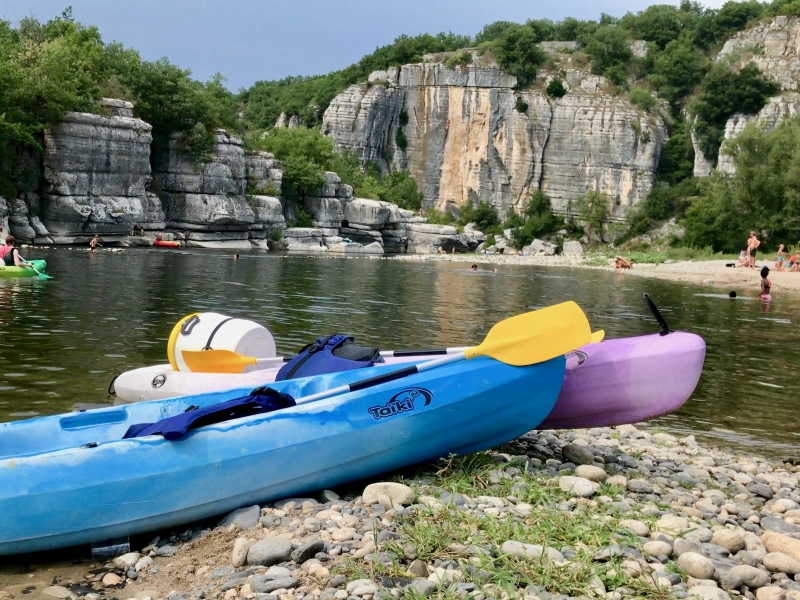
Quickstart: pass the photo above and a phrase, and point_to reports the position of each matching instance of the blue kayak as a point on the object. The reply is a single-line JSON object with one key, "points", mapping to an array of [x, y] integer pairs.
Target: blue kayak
{"points": [[71, 479]]}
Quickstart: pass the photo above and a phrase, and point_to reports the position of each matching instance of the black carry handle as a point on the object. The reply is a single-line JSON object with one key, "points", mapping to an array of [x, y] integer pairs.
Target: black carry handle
{"points": [[189, 324], [385, 378], [428, 352], [657, 314]]}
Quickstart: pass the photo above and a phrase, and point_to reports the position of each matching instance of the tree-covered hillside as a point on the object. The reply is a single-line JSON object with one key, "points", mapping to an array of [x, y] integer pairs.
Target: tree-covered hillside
{"points": [[48, 69]]}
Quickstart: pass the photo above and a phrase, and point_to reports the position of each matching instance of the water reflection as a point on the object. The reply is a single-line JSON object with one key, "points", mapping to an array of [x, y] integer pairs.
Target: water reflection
{"points": [[62, 340]]}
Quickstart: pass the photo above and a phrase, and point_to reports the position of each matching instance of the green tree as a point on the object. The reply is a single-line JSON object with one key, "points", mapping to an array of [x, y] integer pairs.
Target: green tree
{"points": [[642, 98], [609, 48], [483, 215], [678, 70], [660, 24], [763, 195], [593, 209], [537, 220], [517, 52], [677, 155]]}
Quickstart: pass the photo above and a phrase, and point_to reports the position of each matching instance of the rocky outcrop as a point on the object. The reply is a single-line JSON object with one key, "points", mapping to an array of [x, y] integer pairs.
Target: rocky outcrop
{"points": [[95, 178], [778, 108], [4, 212], [467, 135], [773, 47], [208, 196], [210, 200]]}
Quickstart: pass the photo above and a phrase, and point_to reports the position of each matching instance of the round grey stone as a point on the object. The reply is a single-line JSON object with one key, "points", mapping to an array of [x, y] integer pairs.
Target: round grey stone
{"points": [[696, 565], [270, 551], [577, 454]]}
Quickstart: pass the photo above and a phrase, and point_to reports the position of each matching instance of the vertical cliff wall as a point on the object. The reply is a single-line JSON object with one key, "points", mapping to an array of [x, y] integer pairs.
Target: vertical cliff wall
{"points": [[210, 200], [467, 135], [96, 174]]}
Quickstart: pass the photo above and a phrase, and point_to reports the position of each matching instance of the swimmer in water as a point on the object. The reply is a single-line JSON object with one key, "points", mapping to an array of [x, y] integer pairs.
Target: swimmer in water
{"points": [[473, 268], [235, 257], [732, 295], [766, 285]]}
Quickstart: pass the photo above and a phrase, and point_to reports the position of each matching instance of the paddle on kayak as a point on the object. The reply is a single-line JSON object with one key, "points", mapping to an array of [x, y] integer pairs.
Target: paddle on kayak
{"points": [[227, 361], [522, 340]]}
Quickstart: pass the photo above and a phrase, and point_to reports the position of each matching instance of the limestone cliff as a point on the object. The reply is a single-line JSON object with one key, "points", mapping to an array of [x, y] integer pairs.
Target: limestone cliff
{"points": [[774, 47], [467, 135], [96, 173], [210, 200]]}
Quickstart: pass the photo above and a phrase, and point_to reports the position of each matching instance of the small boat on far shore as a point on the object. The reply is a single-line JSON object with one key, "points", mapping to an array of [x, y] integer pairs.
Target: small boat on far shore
{"points": [[166, 244]]}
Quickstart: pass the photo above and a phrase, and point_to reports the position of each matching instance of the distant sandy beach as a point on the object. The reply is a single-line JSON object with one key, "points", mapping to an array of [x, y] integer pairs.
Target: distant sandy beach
{"points": [[705, 272]]}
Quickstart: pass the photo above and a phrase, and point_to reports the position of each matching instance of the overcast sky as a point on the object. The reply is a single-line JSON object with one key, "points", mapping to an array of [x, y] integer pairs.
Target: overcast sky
{"points": [[251, 40]]}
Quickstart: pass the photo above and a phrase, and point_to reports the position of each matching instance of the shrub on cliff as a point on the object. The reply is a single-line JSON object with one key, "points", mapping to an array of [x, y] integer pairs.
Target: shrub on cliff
{"points": [[677, 70], [723, 94], [537, 220], [517, 52], [593, 208], [483, 214], [642, 98], [556, 89], [609, 49]]}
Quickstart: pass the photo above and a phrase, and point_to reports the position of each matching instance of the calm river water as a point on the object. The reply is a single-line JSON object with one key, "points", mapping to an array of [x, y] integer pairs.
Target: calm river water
{"points": [[61, 341]]}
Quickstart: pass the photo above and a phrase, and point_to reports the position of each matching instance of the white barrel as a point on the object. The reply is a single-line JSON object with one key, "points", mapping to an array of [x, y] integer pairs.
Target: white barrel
{"points": [[219, 332]]}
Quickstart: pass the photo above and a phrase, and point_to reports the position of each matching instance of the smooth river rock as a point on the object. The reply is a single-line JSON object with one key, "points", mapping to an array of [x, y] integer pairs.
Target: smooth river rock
{"points": [[696, 565], [269, 551]]}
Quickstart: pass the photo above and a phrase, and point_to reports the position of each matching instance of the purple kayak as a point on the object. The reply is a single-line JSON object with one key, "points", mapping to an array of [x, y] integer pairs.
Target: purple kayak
{"points": [[627, 380]]}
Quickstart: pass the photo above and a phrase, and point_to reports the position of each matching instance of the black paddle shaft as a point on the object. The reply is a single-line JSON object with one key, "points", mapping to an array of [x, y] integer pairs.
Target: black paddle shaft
{"points": [[657, 314], [378, 379]]}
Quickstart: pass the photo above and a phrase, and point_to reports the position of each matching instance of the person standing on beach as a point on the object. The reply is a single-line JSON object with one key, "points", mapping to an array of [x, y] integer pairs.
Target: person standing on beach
{"points": [[752, 245]]}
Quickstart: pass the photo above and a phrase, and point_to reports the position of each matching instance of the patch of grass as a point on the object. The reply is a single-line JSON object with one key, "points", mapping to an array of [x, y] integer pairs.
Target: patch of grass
{"points": [[447, 533], [437, 217], [597, 260]]}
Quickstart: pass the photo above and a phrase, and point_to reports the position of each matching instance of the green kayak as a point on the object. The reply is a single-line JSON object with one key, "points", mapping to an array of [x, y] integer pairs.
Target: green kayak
{"points": [[39, 265]]}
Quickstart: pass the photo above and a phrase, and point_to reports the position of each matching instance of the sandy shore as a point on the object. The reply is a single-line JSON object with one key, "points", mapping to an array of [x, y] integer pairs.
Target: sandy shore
{"points": [[707, 272]]}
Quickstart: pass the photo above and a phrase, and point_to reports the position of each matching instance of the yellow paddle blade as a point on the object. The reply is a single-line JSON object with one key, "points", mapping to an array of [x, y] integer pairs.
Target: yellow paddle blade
{"points": [[598, 336], [536, 336], [216, 361]]}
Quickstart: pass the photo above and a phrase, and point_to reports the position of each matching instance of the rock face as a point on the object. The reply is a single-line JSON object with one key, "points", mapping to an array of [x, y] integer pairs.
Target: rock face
{"points": [[466, 135], [96, 178], [773, 47], [211, 199]]}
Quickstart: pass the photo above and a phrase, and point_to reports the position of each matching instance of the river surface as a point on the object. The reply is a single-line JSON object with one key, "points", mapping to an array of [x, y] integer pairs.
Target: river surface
{"points": [[62, 340]]}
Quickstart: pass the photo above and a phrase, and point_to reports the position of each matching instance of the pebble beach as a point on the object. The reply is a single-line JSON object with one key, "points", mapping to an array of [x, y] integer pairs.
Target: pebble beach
{"points": [[625, 512]]}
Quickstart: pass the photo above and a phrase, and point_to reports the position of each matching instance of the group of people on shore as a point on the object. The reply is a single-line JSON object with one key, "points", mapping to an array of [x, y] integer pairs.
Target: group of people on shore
{"points": [[784, 260]]}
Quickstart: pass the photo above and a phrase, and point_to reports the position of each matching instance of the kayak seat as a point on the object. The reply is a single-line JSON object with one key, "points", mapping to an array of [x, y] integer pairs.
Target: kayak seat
{"points": [[260, 401], [330, 354]]}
